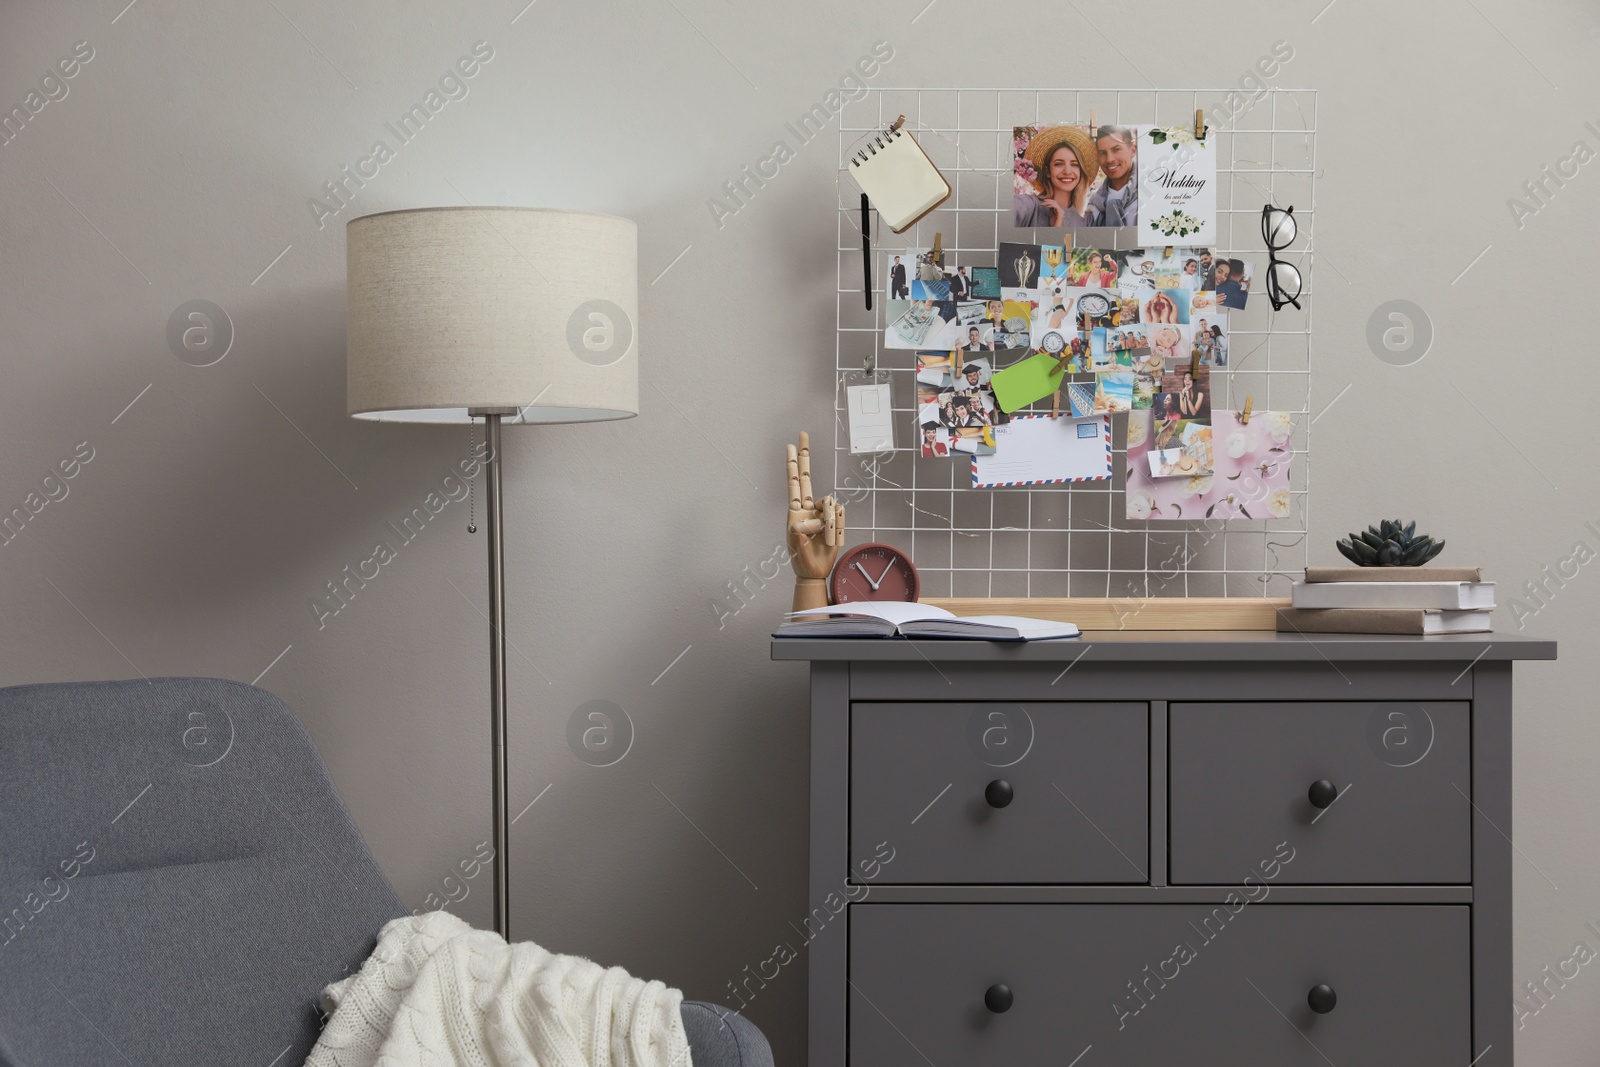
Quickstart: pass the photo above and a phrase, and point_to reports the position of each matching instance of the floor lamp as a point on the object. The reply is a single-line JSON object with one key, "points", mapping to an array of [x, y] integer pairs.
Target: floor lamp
{"points": [[509, 315]]}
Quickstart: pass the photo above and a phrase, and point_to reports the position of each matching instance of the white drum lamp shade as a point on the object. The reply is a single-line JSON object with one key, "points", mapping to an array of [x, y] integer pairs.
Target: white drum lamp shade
{"points": [[528, 312]]}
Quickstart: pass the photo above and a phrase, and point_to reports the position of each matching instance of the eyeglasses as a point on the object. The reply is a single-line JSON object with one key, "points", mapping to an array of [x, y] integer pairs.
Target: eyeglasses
{"points": [[1278, 230]]}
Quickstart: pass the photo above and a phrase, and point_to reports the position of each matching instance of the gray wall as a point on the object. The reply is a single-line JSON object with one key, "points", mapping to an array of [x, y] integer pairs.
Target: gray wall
{"points": [[180, 163]]}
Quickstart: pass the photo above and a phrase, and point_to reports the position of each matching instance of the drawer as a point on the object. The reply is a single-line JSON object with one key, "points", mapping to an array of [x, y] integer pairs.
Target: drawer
{"points": [[1115, 977], [1241, 778], [1071, 781]]}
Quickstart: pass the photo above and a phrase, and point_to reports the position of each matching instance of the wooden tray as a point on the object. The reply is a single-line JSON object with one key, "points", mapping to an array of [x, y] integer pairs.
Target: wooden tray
{"points": [[1130, 613]]}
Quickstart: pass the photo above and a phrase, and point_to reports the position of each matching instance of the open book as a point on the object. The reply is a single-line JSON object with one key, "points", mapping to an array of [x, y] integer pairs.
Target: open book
{"points": [[886, 619]]}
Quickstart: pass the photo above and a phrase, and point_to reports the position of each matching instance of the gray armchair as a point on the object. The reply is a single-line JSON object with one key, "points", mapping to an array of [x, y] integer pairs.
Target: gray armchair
{"points": [[179, 879]]}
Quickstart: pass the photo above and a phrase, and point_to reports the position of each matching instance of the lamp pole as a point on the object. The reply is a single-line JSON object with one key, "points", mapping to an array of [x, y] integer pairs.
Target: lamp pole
{"points": [[497, 675]]}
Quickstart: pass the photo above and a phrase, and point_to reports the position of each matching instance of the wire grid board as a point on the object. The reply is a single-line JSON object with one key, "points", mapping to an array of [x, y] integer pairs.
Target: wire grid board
{"points": [[1072, 540]]}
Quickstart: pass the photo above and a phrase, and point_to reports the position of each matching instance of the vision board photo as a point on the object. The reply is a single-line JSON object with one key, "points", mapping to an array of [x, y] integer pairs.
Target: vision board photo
{"points": [[1160, 179]]}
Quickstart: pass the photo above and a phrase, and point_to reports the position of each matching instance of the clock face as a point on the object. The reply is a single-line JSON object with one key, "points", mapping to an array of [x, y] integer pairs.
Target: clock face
{"points": [[874, 572]]}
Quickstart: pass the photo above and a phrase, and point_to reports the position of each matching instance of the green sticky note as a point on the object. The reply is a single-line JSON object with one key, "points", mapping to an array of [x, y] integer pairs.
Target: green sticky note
{"points": [[1033, 379]]}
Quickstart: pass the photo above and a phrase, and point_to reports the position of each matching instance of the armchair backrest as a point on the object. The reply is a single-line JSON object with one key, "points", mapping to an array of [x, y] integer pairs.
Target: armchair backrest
{"points": [[178, 876]]}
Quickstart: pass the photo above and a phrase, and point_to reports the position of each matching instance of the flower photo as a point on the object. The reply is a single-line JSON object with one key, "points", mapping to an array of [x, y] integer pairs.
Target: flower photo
{"points": [[1250, 469]]}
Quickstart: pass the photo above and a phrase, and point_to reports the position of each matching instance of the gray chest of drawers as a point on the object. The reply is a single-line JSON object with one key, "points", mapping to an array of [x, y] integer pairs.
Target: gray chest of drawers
{"points": [[1150, 848]]}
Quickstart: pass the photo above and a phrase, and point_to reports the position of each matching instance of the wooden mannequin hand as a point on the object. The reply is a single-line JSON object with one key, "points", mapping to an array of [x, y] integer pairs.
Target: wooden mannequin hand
{"points": [[815, 530]]}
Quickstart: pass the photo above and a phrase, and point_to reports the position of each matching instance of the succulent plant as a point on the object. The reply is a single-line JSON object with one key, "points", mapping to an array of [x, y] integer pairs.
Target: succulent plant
{"points": [[1390, 544]]}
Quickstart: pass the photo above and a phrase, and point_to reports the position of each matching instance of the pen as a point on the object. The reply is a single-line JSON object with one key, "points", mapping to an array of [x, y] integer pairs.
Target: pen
{"points": [[866, 249]]}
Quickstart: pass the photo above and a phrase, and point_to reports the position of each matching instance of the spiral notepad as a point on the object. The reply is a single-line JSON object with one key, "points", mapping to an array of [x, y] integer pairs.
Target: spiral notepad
{"points": [[898, 177]]}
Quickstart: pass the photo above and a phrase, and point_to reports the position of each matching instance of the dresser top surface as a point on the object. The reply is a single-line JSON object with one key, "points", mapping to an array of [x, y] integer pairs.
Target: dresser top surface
{"points": [[1212, 646]]}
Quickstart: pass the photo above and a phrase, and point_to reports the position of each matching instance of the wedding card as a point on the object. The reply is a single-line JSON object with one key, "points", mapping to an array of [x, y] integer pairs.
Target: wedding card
{"points": [[1177, 185]]}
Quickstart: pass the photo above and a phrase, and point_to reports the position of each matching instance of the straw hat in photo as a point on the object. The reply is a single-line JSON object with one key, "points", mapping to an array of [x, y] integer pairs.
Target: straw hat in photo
{"points": [[1045, 141]]}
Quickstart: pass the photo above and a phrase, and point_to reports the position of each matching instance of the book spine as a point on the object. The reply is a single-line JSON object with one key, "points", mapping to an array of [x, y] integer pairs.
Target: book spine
{"points": [[1443, 596], [1394, 574], [1379, 621], [1350, 620]]}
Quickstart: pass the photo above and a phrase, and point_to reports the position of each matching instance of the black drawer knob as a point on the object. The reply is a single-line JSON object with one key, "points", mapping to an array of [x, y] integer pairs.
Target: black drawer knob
{"points": [[1322, 999], [999, 793], [997, 998], [1322, 793]]}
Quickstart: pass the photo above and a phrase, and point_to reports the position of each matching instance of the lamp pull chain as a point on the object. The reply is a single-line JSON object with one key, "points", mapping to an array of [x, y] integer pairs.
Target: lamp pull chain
{"points": [[472, 522]]}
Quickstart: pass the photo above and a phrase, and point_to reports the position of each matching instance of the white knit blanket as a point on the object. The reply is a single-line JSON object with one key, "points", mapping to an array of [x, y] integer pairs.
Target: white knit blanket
{"points": [[437, 993]]}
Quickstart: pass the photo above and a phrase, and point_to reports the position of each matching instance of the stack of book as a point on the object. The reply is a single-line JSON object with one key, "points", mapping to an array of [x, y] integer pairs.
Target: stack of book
{"points": [[1390, 600]]}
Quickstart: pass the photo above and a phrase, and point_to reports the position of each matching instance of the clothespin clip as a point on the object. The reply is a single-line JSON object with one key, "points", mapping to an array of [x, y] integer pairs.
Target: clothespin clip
{"points": [[955, 362], [1199, 124], [1094, 121], [938, 249], [1244, 416], [1066, 242], [901, 121], [1055, 405], [1166, 253], [1194, 364]]}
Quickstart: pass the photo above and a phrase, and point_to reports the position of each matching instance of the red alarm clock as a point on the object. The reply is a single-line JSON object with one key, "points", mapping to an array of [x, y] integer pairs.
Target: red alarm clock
{"points": [[874, 572]]}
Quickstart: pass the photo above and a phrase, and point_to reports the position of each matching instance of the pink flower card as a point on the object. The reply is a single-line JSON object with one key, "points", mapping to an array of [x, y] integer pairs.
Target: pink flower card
{"points": [[1250, 463]]}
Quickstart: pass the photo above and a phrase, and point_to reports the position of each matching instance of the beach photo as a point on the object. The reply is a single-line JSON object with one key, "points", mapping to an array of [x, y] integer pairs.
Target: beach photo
{"points": [[1113, 392], [1103, 356]]}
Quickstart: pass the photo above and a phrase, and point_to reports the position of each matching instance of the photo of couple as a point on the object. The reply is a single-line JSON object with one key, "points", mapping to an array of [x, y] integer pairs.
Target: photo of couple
{"points": [[1216, 281], [1069, 176]]}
